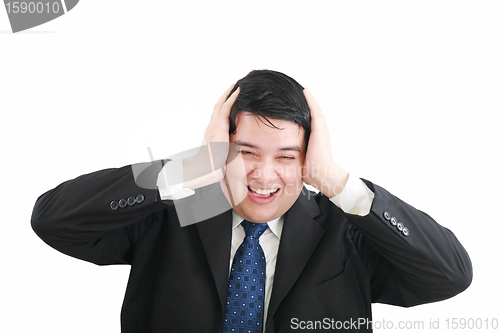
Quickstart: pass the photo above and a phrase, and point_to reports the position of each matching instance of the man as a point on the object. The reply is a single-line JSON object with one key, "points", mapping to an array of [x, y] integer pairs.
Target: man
{"points": [[322, 258]]}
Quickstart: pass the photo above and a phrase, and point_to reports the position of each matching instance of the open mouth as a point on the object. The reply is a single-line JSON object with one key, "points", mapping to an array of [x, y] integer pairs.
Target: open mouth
{"points": [[264, 193]]}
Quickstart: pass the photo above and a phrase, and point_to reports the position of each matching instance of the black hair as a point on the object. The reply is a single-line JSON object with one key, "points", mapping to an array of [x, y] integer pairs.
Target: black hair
{"points": [[271, 95]]}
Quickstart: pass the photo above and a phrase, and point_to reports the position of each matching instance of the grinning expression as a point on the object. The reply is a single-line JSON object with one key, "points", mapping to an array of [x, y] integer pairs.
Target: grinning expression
{"points": [[271, 179]]}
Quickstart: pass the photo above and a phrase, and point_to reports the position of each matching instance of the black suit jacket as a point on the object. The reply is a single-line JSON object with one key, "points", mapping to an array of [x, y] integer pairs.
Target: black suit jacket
{"points": [[330, 264]]}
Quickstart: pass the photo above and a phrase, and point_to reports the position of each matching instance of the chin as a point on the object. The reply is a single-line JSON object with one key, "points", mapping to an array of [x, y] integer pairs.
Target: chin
{"points": [[255, 213], [256, 217], [259, 213]]}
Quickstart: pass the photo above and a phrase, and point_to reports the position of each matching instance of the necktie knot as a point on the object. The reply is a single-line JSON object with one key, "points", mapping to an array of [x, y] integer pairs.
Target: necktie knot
{"points": [[254, 230]]}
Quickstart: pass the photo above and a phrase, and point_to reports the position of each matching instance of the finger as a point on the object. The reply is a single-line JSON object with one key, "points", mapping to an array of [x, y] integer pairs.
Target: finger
{"points": [[220, 102], [226, 107], [318, 119], [314, 106]]}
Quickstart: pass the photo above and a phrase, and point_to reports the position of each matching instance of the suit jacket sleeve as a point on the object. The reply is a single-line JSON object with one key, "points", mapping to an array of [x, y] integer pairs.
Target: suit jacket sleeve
{"points": [[84, 217], [415, 259]]}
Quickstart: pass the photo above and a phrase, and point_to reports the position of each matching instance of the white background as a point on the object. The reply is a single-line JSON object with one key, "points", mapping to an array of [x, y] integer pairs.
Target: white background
{"points": [[410, 90]]}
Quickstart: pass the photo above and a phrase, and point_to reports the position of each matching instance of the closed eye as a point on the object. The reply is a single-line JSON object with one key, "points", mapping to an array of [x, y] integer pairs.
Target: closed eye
{"points": [[247, 152]]}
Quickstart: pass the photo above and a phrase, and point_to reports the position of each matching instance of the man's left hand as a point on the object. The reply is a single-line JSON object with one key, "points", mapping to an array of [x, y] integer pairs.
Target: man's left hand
{"points": [[320, 170]]}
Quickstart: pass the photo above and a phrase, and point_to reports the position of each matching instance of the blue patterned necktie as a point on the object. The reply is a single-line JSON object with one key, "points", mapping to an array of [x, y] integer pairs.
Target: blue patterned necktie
{"points": [[245, 295]]}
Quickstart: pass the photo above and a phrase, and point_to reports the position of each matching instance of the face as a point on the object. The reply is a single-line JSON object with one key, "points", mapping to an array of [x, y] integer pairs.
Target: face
{"points": [[271, 179]]}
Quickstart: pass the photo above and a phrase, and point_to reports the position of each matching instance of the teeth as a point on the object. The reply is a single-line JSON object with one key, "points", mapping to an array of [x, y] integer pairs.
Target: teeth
{"points": [[259, 191]]}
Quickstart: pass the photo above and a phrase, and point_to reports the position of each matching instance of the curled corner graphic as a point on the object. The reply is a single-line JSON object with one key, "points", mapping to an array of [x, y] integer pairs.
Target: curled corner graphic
{"points": [[208, 200], [26, 14]]}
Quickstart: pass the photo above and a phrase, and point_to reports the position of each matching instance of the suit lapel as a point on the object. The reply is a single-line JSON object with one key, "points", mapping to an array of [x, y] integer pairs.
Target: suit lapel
{"points": [[215, 235], [299, 238]]}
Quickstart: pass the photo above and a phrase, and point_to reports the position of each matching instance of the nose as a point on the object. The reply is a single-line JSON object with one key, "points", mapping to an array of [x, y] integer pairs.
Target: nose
{"points": [[265, 172]]}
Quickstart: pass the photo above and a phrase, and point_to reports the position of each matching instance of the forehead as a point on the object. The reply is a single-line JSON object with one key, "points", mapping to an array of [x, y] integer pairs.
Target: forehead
{"points": [[254, 129]]}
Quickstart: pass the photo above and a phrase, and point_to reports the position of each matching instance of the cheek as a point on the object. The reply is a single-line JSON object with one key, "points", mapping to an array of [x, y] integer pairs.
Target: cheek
{"points": [[235, 182], [292, 180], [291, 173], [235, 173], [236, 168]]}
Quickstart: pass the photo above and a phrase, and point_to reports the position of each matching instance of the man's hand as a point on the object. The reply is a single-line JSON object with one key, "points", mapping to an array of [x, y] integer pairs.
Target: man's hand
{"points": [[205, 168], [218, 128], [320, 170]]}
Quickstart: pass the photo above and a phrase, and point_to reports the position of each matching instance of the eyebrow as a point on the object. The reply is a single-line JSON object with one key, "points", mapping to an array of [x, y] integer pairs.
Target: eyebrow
{"points": [[246, 144]]}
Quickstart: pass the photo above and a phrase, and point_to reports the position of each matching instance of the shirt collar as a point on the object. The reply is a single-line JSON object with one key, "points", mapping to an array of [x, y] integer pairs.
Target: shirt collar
{"points": [[276, 225]]}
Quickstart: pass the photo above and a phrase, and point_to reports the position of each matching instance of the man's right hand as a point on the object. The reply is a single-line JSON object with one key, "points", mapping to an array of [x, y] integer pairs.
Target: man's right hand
{"points": [[218, 128], [197, 172]]}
